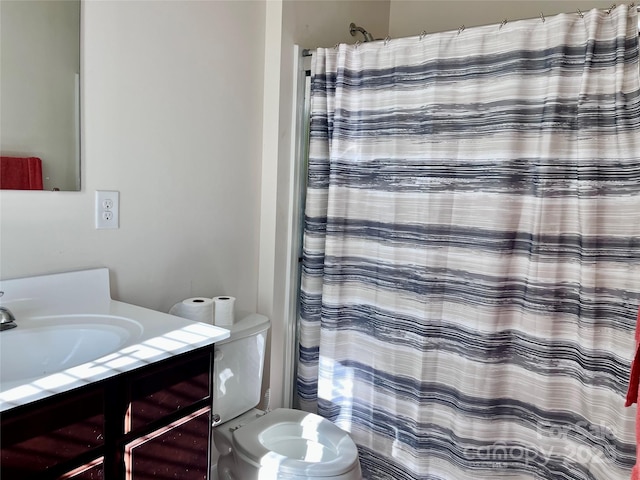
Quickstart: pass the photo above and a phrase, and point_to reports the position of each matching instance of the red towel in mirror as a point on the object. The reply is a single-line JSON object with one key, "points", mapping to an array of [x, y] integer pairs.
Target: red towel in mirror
{"points": [[20, 173]]}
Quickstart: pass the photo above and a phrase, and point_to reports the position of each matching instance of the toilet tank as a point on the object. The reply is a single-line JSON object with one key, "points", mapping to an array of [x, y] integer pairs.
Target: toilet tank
{"points": [[238, 367]]}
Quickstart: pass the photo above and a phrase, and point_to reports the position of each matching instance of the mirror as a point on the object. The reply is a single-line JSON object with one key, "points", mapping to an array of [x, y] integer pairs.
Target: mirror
{"points": [[40, 92]]}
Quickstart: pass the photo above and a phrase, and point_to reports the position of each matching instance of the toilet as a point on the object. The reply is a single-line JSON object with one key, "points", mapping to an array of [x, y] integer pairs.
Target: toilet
{"points": [[282, 444]]}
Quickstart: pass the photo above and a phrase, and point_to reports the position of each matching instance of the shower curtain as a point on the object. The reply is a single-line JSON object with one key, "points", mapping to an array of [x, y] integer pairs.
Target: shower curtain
{"points": [[470, 263]]}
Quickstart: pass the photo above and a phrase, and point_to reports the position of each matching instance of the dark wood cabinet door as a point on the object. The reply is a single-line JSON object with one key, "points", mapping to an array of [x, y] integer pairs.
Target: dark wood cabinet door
{"points": [[163, 391], [53, 436], [179, 450]]}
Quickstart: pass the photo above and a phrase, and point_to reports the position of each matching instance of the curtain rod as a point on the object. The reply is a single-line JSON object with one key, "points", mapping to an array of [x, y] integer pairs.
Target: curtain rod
{"points": [[309, 52]]}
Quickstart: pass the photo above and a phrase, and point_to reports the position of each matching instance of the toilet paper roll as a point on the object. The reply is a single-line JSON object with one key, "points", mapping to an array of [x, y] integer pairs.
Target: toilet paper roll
{"points": [[223, 310], [198, 309]]}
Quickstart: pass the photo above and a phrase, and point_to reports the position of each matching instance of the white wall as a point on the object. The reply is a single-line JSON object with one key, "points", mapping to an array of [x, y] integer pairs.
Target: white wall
{"points": [[172, 119], [409, 17]]}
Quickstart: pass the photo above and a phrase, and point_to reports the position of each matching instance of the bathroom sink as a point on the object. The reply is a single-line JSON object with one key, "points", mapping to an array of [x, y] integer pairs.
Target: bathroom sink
{"points": [[70, 333], [56, 343]]}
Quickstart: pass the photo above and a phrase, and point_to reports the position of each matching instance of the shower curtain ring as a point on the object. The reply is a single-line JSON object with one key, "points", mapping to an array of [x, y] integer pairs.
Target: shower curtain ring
{"points": [[542, 17], [461, 29], [502, 24], [357, 43], [387, 39], [580, 13], [423, 34], [612, 7]]}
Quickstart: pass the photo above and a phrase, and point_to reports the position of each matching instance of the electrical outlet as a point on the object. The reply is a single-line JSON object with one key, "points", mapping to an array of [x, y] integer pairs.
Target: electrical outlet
{"points": [[107, 209]]}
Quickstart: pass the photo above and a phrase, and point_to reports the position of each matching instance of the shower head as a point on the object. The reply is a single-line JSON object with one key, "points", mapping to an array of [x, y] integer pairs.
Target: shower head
{"points": [[353, 29]]}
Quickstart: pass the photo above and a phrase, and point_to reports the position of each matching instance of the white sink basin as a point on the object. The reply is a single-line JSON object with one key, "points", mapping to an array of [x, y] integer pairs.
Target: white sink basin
{"points": [[56, 343]]}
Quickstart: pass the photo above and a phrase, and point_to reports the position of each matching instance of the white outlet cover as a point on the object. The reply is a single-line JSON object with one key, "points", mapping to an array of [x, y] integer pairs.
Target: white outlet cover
{"points": [[107, 209]]}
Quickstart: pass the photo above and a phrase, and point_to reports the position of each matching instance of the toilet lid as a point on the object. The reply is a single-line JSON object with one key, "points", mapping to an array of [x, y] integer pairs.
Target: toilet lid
{"points": [[296, 443]]}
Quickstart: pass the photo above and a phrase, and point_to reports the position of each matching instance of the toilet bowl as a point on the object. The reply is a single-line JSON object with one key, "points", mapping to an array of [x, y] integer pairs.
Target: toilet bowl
{"points": [[283, 444]]}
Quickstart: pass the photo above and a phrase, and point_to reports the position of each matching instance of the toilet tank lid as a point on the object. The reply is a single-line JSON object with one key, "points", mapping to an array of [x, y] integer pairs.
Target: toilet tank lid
{"points": [[249, 325]]}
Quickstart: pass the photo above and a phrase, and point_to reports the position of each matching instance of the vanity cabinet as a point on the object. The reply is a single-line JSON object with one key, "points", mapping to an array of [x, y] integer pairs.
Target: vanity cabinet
{"points": [[150, 423]]}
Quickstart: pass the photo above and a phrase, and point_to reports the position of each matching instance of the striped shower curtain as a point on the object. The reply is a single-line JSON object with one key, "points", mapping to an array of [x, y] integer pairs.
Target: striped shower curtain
{"points": [[471, 269]]}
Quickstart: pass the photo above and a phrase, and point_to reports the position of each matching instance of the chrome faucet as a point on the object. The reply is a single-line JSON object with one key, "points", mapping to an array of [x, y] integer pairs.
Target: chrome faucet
{"points": [[7, 319]]}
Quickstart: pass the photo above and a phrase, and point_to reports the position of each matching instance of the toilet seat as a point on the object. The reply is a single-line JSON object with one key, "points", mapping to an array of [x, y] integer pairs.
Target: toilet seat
{"points": [[296, 443]]}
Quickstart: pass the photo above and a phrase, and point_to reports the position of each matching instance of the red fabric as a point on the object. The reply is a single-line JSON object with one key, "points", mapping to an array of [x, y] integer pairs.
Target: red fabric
{"points": [[17, 173], [632, 397], [634, 380]]}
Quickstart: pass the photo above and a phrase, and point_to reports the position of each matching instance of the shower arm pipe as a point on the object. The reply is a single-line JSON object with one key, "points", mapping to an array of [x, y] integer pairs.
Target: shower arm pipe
{"points": [[354, 29]]}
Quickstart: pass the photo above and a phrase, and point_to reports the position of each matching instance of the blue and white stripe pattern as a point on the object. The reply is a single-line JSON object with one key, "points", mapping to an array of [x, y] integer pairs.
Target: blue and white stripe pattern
{"points": [[471, 270]]}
